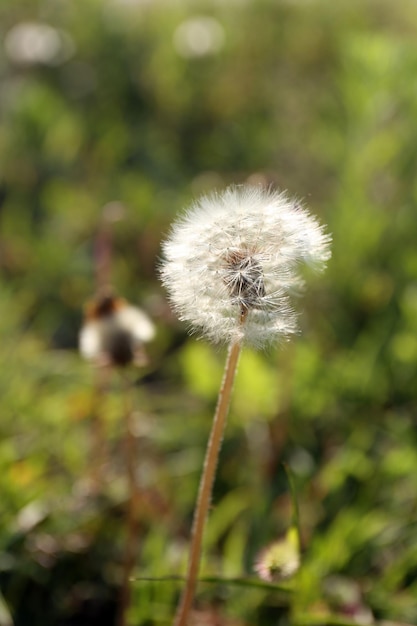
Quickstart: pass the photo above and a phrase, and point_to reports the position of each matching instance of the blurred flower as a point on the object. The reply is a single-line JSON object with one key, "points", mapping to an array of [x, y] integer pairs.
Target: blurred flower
{"points": [[114, 332], [35, 42], [281, 559], [232, 260], [198, 36]]}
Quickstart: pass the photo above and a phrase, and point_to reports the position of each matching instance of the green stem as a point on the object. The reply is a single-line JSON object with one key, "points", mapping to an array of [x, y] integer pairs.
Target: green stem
{"points": [[206, 485]]}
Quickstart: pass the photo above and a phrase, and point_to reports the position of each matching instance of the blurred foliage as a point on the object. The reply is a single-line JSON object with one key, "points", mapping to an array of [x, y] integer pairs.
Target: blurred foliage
{"points": [[145, 104]]}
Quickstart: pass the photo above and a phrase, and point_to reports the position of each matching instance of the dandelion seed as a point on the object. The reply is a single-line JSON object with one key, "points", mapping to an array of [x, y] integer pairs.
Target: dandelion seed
{"points": [[237, 252]]}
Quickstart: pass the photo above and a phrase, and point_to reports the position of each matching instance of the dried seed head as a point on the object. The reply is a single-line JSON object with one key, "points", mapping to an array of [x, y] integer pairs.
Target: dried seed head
{"points": [[238, 254], [281, 559], [114, 332]]}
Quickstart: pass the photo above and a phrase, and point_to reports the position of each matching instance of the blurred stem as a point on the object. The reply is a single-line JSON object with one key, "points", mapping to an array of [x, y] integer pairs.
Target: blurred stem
{"points": [[295, 521], [103, 249], [206, 485], [102, 255], [98, 439], [284, 589], [129, 558]]}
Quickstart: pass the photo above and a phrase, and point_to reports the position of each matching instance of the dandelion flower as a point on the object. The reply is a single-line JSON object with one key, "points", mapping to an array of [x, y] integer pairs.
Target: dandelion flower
{"points": [[114, 332], [237, 254]]}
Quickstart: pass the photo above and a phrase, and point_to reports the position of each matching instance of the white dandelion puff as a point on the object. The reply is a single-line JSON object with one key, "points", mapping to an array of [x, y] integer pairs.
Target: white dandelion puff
{"points": [[239, 253], [114, 332], [281, 559]]}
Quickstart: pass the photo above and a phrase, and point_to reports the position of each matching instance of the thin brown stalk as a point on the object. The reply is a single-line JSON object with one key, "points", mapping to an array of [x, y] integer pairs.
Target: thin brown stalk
{"points": [[97, 432], [206, 485], [130, 553], [103, 245]]}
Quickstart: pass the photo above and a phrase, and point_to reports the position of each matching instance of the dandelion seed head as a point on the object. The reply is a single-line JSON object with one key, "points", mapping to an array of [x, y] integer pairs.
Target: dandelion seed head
{"points": [[114, 332], [280, 560], [238, 253]]}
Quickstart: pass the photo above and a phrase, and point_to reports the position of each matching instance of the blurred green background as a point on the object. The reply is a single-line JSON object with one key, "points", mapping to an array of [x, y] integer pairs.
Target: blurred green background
{"points": [[142, 105]]}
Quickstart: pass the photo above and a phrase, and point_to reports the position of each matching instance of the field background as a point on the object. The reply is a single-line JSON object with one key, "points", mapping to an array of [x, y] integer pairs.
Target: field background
{"points": [[129, 109]]}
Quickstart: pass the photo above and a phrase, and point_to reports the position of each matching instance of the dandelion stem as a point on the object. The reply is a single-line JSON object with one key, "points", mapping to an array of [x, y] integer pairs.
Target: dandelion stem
{"points": [[206, 483], [98, 435], [131, 512]]}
